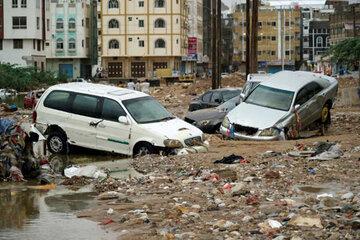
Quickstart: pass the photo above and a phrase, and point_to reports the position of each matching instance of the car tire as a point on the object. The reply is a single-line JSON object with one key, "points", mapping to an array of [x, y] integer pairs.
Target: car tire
{"points": [[56, 142], [325, 115], [144, 149]]}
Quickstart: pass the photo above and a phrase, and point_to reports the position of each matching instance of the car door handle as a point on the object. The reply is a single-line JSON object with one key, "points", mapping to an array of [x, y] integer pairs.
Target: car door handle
{"points": [[95, 124]]}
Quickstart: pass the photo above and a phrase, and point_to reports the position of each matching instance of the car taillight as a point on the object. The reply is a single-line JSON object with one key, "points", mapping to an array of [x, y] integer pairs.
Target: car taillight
{"points": [[34, 115]]}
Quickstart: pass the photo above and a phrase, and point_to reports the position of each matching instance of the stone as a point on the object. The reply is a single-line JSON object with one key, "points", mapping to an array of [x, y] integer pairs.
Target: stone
{"points": [[310, 221], [346, 196]]}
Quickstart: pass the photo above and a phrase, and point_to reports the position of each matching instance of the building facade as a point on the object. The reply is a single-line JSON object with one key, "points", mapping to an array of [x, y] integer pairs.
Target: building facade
{"points": [[319, 39], [24, 29], [70, 47], [140, 36], [226, 42], [278, 38]]}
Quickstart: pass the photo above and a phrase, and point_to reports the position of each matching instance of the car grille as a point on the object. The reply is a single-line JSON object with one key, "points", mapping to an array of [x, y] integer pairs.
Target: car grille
{"points": [[245, 130], [193, 141], [189, 120]]}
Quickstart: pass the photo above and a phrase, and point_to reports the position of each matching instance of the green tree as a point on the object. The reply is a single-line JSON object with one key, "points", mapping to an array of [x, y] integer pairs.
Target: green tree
{"points": [[345, 53]]}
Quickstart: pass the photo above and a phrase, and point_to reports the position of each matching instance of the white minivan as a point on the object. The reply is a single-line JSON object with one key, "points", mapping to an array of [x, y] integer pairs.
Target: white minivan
{"points": [[111, 119]]}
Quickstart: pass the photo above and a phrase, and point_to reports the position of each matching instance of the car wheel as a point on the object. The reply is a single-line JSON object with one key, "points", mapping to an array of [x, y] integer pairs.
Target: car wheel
{"points": [[56, 142], [325, 115], [144, 149]]}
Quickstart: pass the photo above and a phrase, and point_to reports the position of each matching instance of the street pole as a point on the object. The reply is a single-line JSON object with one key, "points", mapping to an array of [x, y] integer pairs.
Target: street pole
{"points": [[218, 29], [213, 43], [247, 38], [254, 33]]}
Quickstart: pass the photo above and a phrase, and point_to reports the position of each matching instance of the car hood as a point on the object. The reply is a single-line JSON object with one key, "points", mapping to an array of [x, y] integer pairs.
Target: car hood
{"points": [[251, 115], [205, 114], [173, 129]]}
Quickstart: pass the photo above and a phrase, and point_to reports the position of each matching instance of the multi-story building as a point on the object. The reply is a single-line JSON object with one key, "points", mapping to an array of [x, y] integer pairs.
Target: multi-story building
{"points": [[24, 29], [278, 38], [226, 41], [140, 36], [193, 61], [345, 23], [72, 45]]}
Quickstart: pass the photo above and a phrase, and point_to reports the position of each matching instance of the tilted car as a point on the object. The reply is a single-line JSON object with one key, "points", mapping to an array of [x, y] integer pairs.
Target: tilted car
{"points": [[282, 106], [32, 98], [110, 119], [210, 119], [213, 98]]}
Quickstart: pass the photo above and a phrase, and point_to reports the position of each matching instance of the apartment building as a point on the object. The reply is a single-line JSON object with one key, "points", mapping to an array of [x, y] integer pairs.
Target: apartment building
{"points": [[139, 36], [226, 41], [24, 29], [345, 23], [72, 46], [279, 36]]}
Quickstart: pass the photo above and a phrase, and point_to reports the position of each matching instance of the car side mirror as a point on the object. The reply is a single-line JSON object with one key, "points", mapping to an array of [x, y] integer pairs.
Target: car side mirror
{"points": [[123, 120], [297, 106], [242, 96]]}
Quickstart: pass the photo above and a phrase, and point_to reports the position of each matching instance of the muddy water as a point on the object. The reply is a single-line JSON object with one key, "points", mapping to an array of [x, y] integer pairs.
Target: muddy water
{"points": [[27, 213], [15, 100]]}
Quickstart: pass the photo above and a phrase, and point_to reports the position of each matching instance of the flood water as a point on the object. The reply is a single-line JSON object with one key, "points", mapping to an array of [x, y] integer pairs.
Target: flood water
{"points": [[27, 213]]}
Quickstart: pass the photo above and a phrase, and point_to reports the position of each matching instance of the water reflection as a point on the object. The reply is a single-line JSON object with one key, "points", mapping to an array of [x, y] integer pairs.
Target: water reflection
{"points": [[15, 100]]}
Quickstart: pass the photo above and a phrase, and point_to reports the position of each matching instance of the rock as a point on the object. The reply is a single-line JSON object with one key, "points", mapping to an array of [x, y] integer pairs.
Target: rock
{"points": [[296, 238], [247, 218], [346, 196], [226, 174], [272, 175], [334, 236], [109, 195], [269, 224], [310, 221], [223, 224]]}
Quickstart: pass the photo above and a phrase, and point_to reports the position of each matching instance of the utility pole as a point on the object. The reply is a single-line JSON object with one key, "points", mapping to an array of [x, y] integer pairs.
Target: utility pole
{"points": [[247, 38], [254, 31], [218, 29], [213, 43], [354, 20]]}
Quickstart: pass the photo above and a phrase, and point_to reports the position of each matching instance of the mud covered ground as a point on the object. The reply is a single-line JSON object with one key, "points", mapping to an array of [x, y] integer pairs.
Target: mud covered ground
{"points": [[272, 196]]}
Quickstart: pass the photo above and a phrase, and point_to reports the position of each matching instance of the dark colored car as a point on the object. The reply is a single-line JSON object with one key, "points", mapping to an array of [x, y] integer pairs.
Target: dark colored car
{"points": [[210, 119], [32, 98], [213, 98]]}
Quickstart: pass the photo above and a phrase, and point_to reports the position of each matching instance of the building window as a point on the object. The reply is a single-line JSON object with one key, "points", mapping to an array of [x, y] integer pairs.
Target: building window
{"points": [[141, 3], [14, 3], [114, 23], [113, 4], [160, 43], [319, 42], [48, 24], [1, 44], [130, 19], [59, 44], [159, 3], [287, 52], [87, 42], [159, 23], [273, 24], [38, 23], [19, 22], [23, 3], [18, 43], [259, 38], [297, 35], [327, 42], [59, 24], [114, 44], [72, 44], [259, 24], [141, 23], [87, 22], [273, 38], [72, 24], [39, 45], [141, 43], [273, 53], [130, 39]]}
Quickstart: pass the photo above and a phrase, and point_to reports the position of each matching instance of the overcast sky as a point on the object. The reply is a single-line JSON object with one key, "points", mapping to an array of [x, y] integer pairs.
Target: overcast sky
{"points": [[230, 3]]}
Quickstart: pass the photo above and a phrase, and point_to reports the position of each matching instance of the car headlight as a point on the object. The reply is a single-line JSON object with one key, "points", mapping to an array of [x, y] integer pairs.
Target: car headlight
{"points": [[172, 143], [269, 132], [203, 122], [226, 122]]}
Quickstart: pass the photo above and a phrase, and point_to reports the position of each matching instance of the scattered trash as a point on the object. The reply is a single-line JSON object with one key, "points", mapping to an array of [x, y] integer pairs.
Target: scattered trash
{"points": [[269, 154], [87, 171], [110, 211], [310, 221], [232, 159], [106, 222], [312, 171]]}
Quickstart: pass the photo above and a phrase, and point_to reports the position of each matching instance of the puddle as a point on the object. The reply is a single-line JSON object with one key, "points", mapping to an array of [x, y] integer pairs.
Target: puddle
{"points": [[28, 213]]}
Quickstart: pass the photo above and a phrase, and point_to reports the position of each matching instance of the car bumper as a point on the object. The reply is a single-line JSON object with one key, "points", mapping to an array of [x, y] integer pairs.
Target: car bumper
{"points": [[236, 135]]}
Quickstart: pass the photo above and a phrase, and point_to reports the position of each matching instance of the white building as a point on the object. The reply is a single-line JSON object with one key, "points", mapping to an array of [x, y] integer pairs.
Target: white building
{"points": [[68, 50], [24, 29]]}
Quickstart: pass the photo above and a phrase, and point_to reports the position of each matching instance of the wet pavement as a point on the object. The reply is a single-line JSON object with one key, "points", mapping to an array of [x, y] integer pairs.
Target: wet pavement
{"points": [[28, 213]]}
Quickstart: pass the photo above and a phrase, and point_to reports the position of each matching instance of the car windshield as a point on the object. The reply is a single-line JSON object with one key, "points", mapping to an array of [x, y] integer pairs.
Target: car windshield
{"points": [[228, 105], [146, 110], [271, 98]]}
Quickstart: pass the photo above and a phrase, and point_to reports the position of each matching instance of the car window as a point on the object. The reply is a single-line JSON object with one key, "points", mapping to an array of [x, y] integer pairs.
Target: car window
{"points": [[85, 105], [216, 96], [206, 97], [29, 94], [230, 94], [302, 96], [57, 100], [111, 110], [230, 104], [313, 88]]}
